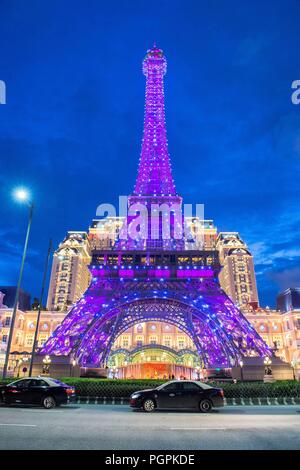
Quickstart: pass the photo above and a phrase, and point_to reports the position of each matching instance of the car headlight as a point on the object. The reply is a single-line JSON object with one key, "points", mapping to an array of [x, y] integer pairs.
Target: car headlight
{"points": [[135, 395]]}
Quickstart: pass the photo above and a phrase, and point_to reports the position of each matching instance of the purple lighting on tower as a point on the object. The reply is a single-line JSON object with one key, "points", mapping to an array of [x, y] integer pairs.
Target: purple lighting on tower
{"points": [[161, 282], [154, 173]]}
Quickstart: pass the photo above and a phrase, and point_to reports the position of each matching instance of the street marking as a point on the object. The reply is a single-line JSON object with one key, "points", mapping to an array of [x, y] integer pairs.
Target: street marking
{"points": [[20, 425], [198, 429]]}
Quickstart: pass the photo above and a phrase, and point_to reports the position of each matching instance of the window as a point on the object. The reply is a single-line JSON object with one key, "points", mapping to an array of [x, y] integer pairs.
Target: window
{"points": [[4, 338], [167, 341], [170, 386], [153, 340], [38, 383], [125, 342], [29, 340], [7, 321], [190, 386], [42, 339], [277, 340], [22, 383]]}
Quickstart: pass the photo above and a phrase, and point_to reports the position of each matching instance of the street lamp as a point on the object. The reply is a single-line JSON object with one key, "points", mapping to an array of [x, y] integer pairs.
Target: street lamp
{"points": [[21, 195], [47, 362], [73, 364], [293, 364], [22, 362], [241, 366], [267, 363], [197, 370], [39, 309]]}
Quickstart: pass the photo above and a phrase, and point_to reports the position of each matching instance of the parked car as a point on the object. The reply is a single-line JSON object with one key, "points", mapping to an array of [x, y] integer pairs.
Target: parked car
{"points": [[43, 391], [179, 394]]}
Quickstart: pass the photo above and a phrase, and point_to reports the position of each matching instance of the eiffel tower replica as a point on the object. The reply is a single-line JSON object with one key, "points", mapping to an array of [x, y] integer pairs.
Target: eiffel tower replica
{"points": [[152, 277]]}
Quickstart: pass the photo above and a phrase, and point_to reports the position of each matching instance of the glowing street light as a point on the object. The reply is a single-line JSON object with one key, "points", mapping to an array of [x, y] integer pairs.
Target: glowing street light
{"points": [[47, 361], [241, 363], [267, 363], [22, 195]]}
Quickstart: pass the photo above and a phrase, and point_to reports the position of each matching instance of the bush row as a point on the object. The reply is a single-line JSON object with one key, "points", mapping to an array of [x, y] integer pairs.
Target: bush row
{"points": [[124, 388]]}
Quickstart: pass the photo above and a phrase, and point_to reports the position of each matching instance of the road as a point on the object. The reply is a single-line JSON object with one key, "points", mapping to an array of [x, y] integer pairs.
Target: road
{"points": [[117, 427]]}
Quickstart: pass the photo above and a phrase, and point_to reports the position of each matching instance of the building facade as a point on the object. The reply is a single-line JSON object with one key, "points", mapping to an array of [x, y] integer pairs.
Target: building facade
{"points": [[70, 275], [237, 276], [149, 346], [289, 300]]}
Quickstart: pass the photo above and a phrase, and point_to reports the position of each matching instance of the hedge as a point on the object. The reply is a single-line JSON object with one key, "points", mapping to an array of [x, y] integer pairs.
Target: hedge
{"points": [[124, 388]]}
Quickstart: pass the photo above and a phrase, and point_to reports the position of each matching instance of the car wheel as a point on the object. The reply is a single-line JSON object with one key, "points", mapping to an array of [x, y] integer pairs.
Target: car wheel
{"points": [[205, 406], [149, 405], [48, 402]]}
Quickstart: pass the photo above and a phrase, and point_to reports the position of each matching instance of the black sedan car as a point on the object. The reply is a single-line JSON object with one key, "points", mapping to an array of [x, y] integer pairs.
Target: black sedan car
{"points": [[43, 391], [179, 394]]}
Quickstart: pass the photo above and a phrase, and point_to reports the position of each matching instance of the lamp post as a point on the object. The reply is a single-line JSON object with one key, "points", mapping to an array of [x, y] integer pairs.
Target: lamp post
{"points": [[40, 307], [293, 364], [21, 195], [241, 366], [22, 362], [47, 362], [73, 364], [267, 363]]}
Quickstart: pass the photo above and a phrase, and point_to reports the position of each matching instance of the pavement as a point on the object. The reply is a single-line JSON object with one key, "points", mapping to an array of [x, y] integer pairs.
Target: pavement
{"points": [[117, 427]]}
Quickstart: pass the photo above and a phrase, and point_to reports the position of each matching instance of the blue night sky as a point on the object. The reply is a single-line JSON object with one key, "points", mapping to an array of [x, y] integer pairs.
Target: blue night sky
{"points": [[71, 129]]}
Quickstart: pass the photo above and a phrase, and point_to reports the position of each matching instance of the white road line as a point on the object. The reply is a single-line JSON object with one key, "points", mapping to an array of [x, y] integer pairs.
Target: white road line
{"points": [[20, 425], [198, 429]]}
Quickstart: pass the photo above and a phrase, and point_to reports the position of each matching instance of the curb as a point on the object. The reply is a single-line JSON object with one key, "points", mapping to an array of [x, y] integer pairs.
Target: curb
{"points": [[257, 401]]}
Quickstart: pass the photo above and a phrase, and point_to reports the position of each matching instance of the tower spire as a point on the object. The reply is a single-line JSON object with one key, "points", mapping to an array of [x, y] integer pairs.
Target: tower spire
{"points": [[154, 173]]}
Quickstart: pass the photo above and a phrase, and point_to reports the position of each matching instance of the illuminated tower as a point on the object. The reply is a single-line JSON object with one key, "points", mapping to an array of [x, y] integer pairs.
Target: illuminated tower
{"points": [[160, 279], [154, 173], [155, 188]]}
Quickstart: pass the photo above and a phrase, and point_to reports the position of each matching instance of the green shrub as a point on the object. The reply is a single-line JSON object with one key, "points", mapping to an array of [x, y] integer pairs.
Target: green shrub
{"points": [[124, 388]]}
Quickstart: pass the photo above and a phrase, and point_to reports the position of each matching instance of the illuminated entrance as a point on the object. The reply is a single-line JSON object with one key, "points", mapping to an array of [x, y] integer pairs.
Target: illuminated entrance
{"points": [[154, 350]]}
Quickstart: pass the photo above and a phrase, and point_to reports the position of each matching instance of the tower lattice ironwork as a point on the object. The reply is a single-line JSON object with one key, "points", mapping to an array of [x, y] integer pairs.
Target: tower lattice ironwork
{"points": [[155, 280]]}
